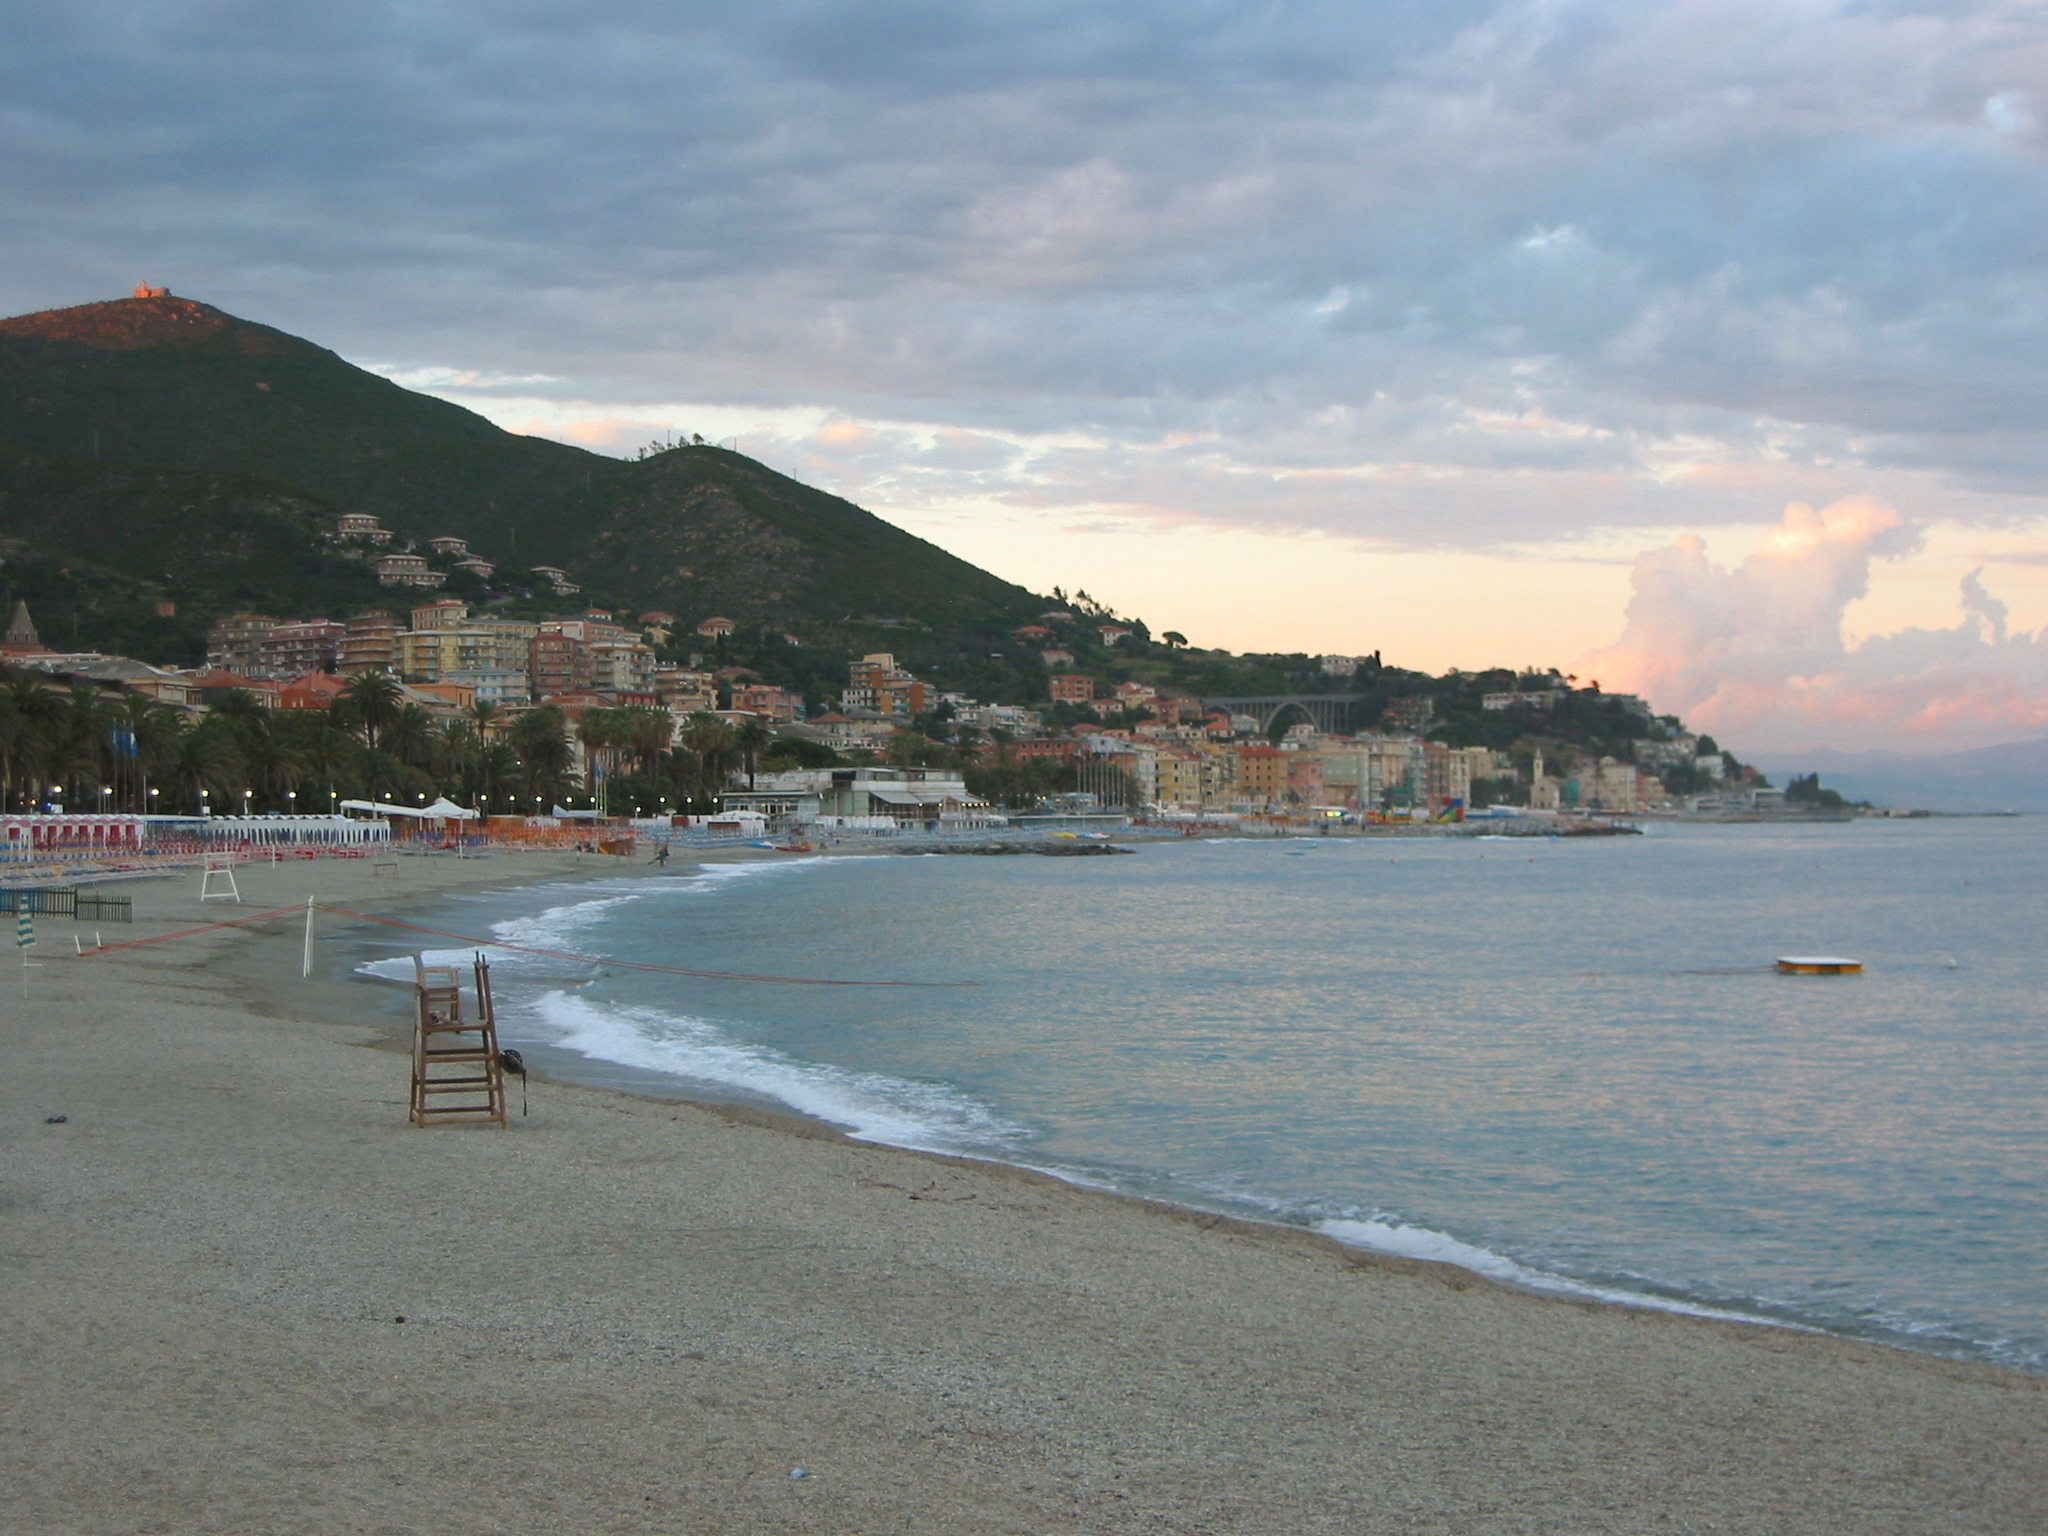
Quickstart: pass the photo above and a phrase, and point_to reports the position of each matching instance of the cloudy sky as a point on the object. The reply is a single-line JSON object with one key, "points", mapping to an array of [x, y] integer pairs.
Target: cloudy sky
{"points": [[1697, 347]]}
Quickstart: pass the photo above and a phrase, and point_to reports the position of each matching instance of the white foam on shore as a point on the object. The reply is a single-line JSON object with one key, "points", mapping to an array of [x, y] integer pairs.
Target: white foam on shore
{"points": [[868, 1106], [1408, 1242], [558, 927]]}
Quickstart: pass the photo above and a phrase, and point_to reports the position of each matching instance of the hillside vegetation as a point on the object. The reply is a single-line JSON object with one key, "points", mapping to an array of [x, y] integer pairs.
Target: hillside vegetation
{"points": [[169, 415]]}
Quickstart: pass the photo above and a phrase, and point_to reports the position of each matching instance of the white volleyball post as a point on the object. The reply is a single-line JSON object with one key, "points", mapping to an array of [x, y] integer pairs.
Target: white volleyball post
{"points": [[306, 961], [220, 867]]}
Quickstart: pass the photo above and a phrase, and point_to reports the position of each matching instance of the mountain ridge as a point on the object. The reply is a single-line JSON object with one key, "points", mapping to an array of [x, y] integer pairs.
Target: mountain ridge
{"points": [[172, 387]]}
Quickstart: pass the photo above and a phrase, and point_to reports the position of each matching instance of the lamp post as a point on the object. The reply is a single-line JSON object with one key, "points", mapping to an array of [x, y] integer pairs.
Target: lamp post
{"points": [[206, 802]]}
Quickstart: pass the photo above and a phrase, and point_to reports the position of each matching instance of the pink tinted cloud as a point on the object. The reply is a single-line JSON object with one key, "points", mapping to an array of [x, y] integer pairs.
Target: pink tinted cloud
{"points": [[1754, 652]]}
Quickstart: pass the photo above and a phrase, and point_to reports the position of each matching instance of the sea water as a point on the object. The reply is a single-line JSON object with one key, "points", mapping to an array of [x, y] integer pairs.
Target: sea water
{"points": [[1568, 1063]]}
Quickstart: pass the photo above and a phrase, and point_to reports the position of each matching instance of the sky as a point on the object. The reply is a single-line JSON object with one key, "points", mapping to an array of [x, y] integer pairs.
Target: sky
{"points": [[1696, 347]]}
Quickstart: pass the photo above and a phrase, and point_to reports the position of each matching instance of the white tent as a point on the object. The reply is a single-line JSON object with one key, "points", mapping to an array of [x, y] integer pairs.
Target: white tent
{"points": [[442, 809]]}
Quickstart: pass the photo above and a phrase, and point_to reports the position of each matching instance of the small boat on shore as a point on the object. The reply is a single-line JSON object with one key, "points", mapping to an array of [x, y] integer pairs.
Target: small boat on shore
{"points": [[1818, 965]]}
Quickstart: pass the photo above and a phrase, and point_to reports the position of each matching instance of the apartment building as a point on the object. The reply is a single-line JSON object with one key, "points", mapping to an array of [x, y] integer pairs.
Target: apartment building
{"points": [[559, 663], [1373, 773], [369, 643], [684, 691], [233, 644], [1262, 774], [1071, 688], [293, 650], [875, 682], [767, 700], [621, 664]]}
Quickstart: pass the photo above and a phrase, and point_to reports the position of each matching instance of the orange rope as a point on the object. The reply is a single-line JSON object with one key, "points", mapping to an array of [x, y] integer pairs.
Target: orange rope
{"points": [[186, 933], [629, 965]]}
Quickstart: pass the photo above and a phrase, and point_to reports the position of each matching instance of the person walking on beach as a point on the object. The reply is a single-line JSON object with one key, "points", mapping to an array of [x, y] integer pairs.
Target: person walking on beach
{"points": [[660, 855]]}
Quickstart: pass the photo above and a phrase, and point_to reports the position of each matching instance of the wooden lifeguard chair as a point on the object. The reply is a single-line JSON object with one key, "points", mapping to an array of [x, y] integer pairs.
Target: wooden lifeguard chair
{"points": [[456, 1074]]}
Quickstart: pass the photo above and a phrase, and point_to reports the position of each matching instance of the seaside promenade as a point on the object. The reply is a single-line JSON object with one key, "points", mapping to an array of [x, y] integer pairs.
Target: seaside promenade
{"points": [[624, 1315]]}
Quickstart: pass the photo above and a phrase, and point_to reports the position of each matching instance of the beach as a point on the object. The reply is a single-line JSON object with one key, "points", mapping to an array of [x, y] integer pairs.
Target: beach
{"points": [[629, 1315]]}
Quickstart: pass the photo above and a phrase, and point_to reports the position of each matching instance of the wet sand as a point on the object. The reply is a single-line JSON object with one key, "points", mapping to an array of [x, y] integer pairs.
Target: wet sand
{"points": [[624, 1315]]}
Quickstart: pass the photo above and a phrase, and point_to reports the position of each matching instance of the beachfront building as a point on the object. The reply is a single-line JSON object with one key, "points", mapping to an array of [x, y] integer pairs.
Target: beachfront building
{"points": [[1612, 786], [1374, 773], [1262, 776]]}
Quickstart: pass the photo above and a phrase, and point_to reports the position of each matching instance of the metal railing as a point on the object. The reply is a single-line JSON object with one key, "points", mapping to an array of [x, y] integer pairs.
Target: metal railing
{"points": [[86, 906]]}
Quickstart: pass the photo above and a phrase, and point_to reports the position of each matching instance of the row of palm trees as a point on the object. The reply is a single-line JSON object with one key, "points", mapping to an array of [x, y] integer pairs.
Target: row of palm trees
{"points": [[83, 750]]}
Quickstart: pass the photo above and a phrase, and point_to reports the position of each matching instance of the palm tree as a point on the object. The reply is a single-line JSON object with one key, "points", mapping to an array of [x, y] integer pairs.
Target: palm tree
{"points": [[750, 737], [497, 765], [207, 760], [28, 723], [599, 730], [713, 742], [541, 738], [81, 741], [648, 732], [409, 736], [373, 699]]}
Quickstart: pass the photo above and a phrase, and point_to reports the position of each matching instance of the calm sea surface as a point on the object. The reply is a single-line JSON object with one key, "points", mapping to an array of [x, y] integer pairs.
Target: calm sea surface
{"points": [[1567, 1063]]}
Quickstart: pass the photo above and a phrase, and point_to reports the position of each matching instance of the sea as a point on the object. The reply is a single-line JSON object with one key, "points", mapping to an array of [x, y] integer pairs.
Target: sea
{"points": [[1569, 1064]]}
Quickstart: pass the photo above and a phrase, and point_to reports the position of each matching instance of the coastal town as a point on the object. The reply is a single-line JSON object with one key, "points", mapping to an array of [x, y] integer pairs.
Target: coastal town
{"points": [[595, 713]]}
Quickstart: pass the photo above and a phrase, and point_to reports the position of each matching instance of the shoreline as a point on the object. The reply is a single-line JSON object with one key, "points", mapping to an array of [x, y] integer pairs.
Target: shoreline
{"points": [[652, 1311], [645, 1085], [1403, 1243]]}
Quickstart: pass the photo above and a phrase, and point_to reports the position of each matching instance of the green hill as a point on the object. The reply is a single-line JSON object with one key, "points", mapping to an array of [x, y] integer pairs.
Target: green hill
{"points": [[159, 450]]}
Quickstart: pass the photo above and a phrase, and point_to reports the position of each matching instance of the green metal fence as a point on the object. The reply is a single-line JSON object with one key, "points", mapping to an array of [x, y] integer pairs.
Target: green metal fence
{"points": [[86, 906]]}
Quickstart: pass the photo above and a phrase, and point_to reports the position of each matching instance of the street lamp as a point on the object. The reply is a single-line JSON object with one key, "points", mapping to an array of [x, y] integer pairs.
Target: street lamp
{"points": [[206, 802]]}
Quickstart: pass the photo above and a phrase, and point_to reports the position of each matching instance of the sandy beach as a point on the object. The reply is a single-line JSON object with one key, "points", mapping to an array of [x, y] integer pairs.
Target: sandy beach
{"points": [[243, 1294]]}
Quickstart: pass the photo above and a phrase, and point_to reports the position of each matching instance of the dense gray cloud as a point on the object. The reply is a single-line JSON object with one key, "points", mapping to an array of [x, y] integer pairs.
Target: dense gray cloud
{"points": [[1433, 273]]}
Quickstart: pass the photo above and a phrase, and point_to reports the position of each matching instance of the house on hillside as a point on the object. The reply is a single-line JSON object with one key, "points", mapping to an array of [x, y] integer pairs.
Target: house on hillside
{"points": [[407, 571], [360, 525]]}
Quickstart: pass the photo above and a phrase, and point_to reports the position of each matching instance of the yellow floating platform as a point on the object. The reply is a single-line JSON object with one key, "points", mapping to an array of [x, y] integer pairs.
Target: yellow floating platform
{"points": [[1818, 965]]}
